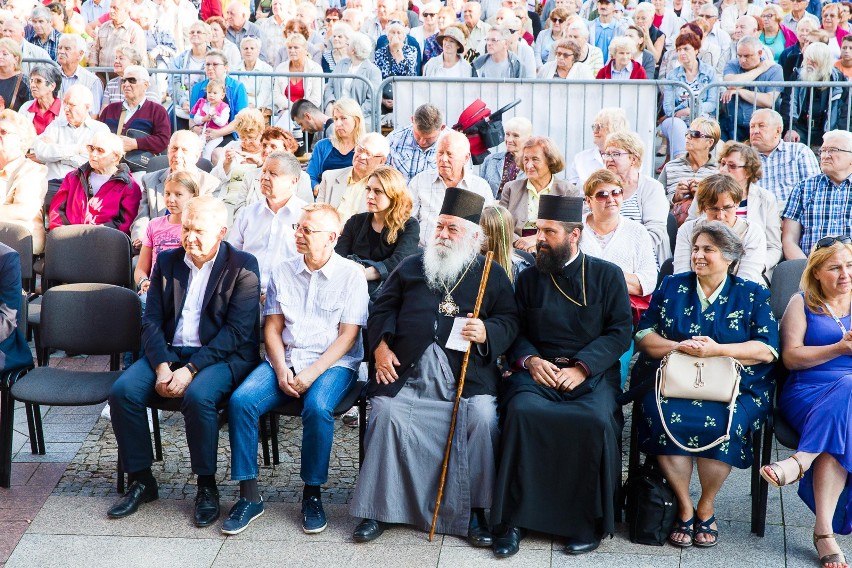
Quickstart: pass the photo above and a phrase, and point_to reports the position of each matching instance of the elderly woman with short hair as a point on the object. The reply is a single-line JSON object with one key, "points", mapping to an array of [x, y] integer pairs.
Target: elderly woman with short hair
{"points": [[705, 312], [291, 89], [190, 60], [396, 59], [14, 85], [644, 197], [775, 36], [717, 199], [543, 45], [218, 41], [566, 63], [621, 65], [359, 62], [450, 62], [45, 83], [502, 167], [100, 192], [337, 46], [541, 161], [24, 181], [698, 162], [643, 17], [608, 120], [810, 115]]}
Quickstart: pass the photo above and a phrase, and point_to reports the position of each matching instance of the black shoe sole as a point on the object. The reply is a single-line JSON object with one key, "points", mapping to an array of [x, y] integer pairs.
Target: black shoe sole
{"points": [[110, 514]]}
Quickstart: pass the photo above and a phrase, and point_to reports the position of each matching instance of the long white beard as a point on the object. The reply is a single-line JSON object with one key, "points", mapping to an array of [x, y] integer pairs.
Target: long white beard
{"points": [[812, 74], [445, 260]]}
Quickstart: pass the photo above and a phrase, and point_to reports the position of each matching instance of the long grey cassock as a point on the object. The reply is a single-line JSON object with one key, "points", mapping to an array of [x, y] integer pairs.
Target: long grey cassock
{"points": [[413, 426]]}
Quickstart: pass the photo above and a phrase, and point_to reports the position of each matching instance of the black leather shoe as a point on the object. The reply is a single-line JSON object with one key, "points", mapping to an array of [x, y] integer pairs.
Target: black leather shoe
{"points": [[508, 543], [478, 534], [135, 496], [206, 506], [368, 530], [573, 546]]}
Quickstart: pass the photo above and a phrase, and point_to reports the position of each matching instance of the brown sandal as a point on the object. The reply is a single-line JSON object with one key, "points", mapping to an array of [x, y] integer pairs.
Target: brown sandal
{"points": [[778, 471], [835, 558]]}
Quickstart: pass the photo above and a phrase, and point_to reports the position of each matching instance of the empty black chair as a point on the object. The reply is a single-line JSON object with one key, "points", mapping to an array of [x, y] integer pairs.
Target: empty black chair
{"points": [[671, 228], [91, 319]]}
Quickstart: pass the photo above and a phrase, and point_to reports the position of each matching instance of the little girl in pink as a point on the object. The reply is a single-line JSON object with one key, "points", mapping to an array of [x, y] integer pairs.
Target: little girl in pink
{"points": [[211, 112]]}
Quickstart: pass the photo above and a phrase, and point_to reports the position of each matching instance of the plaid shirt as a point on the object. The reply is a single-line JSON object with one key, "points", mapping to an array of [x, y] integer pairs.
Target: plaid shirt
{"points": [[407, 156], [787, 165], [821, 207], [49, 45]]}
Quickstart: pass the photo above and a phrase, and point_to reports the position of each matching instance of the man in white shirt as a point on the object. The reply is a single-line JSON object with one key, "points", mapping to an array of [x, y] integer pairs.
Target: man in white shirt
{"points": [[265, 228], [315, 307], [201, 339], [453, 170], [62, 145]]}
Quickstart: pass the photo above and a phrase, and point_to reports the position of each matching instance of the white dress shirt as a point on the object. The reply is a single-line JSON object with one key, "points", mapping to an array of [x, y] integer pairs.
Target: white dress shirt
{"points": [[583, 164], [427, 195], [187, 327], [268, 236], [62, 147], [314, 304]]}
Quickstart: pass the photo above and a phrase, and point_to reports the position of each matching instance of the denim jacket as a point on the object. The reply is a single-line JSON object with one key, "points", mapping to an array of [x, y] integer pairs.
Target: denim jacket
{"points": [[677, 98]]}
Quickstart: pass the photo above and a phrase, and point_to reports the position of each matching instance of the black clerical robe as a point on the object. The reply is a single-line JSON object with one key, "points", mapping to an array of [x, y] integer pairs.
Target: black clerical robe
{"points": [[560, 464], [406, 316]]}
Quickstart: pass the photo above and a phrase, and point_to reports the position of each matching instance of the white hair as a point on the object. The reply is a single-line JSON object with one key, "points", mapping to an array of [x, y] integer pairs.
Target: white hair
{"points": [[140, 72], [580, 27], [254, 39], [79, 42], [444, 260], [378, 143], [81, 94], [845, 135]]}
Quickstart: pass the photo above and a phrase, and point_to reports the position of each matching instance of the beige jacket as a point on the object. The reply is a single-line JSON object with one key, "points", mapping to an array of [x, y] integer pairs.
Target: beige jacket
{"points": [[23, 185], [515, 198]]}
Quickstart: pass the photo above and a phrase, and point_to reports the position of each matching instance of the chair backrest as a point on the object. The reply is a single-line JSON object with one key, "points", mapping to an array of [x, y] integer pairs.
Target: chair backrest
{"points": [[91, 319], [666, 269], [205, 164], [19, 238], [88, 253], [671, 229], [785, 283], [156, 164]]}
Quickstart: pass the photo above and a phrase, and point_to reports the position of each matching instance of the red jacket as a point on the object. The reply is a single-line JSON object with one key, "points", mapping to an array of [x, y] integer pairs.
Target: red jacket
{"points": [[115, 205], [637, 73]]}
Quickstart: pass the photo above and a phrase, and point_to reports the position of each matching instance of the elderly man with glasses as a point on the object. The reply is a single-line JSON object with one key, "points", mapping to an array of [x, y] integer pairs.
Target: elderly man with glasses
{"points": [[820, 205]]}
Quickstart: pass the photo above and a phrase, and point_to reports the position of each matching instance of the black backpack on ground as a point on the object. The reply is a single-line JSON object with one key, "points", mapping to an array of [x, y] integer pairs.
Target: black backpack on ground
{"points": [[650, 505]]}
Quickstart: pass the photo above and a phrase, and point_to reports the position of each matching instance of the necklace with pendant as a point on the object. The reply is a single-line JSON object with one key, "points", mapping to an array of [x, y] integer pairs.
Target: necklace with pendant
{"points": [[448, 306]]}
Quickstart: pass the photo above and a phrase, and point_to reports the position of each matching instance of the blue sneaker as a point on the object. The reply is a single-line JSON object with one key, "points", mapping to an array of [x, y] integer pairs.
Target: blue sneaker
{"points": [[313, 516], [241, 516]]}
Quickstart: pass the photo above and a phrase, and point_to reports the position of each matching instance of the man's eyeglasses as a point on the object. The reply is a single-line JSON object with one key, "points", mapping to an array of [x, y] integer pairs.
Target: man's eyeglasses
{"points": [[831, 151], [697, 134], [306, 230], [131, 80], [828, 241], [363, 151], [602, 196], [726, 208]]}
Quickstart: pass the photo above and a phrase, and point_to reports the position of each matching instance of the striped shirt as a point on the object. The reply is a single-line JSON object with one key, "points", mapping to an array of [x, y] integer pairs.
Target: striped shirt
{"points": [[314, 304], [821, 208], [407, 156], [785, 166]]}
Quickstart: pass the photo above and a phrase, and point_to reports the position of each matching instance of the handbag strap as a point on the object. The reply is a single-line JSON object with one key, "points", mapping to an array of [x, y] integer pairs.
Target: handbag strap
{"points": [[731, 407], [15, 92]]}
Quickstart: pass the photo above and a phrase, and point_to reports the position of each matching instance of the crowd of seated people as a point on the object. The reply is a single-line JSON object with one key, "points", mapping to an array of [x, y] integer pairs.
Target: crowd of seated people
{"points": [[371, 249]]}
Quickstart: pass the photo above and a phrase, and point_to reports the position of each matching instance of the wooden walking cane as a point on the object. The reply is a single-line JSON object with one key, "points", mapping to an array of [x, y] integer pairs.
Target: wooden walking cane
{"points": [[488, 257]]}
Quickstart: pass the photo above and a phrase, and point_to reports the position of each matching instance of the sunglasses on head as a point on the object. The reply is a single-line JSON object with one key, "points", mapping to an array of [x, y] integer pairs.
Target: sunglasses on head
{"points": [[602, 196], [828, 241]]}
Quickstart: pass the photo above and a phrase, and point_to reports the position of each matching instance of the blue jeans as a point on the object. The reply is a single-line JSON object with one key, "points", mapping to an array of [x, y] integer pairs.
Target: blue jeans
{"points": [[260, 393]]}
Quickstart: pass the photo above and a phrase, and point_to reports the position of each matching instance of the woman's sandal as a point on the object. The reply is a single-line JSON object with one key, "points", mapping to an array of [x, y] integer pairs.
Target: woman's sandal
{"points": [[835, 558], [703, 527], [683, 527], [776, 469]]}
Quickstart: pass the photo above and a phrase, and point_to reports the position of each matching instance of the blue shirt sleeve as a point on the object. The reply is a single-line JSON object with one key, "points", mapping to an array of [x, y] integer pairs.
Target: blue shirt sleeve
{"points": [[318, 157]]}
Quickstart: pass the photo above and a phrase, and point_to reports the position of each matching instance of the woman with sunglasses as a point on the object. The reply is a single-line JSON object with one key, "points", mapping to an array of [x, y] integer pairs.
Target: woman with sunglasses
{"points": [[676, 100], [624, 242], [644, 197], [718, 199], [543, 45], [758, 206], [817, 349], [697, 163]]}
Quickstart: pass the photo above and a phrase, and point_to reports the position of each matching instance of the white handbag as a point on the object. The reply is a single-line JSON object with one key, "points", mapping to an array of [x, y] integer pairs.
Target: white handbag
{"points": [[685, 376]]}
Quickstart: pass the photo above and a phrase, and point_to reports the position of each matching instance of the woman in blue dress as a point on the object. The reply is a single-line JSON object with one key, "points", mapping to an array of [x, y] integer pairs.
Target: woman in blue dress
{"points": [[816, 399], [705, 313]]}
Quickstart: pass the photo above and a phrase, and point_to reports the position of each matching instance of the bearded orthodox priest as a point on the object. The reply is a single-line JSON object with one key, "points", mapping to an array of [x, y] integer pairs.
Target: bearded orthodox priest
{"points": [[560, 461], [416, 374]]}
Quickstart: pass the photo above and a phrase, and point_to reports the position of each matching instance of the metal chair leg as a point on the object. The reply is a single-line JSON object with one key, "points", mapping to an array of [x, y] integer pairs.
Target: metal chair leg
{"points": [[362, 428], [28, 408], [158, 441], [7, 423], [273, 426], [264, 440], [39, 429], [763, 487], [119, 481]]}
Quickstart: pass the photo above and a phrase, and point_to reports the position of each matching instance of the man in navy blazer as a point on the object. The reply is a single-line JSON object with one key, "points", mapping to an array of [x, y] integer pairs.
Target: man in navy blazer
{"points": [[200, 338]]}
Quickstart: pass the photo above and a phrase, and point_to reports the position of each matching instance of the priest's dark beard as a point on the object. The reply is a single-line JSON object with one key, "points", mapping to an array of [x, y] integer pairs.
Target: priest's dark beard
{"points": [[550, 260], [445, 260]]}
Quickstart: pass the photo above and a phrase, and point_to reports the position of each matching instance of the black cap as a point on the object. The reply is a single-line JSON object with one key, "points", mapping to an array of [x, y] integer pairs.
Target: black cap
{"points": [[561, 208], [462, 203]]}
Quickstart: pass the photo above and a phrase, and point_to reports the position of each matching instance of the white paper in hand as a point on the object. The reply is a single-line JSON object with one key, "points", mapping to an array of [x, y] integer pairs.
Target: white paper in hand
{"points": [[455, 340]]}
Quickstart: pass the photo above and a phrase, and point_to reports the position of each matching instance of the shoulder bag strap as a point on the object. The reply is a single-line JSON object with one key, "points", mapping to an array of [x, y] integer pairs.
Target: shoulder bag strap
{"points": [[15, 92], [121, 119], [723, 438]]}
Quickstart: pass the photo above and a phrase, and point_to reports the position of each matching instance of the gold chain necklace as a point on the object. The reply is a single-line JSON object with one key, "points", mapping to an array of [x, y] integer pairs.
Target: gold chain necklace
{"points": [[583, 279], [448, 306]]}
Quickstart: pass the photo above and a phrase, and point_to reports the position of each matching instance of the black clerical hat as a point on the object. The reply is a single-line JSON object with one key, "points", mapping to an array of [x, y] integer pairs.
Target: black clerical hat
{"points": [[561, 208], [462, 203]]}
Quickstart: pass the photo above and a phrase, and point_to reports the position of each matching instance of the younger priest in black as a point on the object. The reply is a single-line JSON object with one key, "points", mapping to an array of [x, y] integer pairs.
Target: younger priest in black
{"points": [[415, 382], [560, 462]]}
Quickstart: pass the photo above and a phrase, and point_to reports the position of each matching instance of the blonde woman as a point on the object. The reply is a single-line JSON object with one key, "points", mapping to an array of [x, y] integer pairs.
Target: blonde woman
{"points": [[498, 226], [14, 85], [337, 150], [291, 89], [239, 157]]}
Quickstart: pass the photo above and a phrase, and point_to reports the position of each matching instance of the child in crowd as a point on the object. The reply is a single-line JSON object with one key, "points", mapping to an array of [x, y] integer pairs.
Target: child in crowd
{"points": [[164, 232], [212, 112]]}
